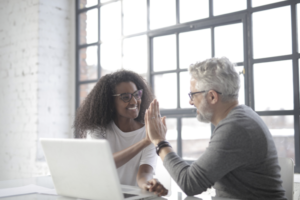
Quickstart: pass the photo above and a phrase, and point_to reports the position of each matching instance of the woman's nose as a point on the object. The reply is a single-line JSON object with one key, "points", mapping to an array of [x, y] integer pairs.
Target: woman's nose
{"points": [[133, 100]]}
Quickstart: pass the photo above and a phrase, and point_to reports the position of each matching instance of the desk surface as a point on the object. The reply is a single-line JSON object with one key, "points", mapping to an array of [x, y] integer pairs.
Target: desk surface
{"points": [[46, 181]]}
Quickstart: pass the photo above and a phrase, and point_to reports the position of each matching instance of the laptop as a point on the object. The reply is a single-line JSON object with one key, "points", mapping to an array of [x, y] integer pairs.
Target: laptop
{"points": [[85, 169]]}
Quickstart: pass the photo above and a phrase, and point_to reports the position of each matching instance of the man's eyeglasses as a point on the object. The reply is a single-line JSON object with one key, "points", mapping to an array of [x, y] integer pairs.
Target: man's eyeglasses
{"points": [[192, 93], [126, 97]]}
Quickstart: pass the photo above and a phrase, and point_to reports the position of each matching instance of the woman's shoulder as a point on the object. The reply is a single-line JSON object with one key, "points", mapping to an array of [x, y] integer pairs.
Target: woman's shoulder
{"points": [[100, 132]]}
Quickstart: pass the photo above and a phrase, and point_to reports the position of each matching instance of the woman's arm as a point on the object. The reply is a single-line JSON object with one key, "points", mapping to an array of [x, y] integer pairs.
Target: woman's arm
{"points": [[125, 155], [144, 175], [145, 181]]}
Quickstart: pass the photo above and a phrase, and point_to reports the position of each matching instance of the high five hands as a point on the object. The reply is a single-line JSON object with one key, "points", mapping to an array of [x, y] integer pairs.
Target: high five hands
{"points": [[156, 128]]}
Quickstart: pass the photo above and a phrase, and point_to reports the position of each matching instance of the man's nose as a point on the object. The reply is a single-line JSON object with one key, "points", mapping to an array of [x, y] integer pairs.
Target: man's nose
{"points": [[191, 102]]}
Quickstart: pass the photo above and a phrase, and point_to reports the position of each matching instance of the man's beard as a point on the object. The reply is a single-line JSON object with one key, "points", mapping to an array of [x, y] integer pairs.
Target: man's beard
{"points": [[205, 113]]}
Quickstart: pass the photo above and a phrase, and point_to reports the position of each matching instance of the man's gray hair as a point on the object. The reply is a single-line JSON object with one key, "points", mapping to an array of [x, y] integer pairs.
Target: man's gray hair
{"points": [[217, 74]]}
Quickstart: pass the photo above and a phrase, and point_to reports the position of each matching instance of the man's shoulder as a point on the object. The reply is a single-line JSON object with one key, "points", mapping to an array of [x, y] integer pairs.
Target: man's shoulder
{"points": [[239, 117], [243, 126]]}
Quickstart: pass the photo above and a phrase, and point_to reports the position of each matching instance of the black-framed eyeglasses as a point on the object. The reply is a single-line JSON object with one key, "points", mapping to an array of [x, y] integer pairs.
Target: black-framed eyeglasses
{"points": [[192, 93], [126, 97]]}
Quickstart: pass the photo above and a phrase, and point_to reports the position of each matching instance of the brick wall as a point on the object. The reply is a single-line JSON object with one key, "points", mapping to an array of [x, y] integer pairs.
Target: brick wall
{"points": [[36, 81]]}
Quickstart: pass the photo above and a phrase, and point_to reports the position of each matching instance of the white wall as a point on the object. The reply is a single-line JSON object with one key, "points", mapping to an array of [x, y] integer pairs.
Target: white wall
{"points": [[37, 69]]}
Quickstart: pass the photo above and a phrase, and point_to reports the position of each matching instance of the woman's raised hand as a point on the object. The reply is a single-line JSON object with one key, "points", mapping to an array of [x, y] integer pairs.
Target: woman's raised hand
{"points": [[156, 127]]}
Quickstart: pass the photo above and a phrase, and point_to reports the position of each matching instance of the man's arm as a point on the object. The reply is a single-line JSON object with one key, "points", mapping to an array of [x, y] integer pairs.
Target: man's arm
{"points": [[164, 151], [227, 151]]}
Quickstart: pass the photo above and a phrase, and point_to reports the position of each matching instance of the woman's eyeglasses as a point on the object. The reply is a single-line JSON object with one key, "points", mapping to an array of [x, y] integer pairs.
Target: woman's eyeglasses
{"points": [[126, 97]]}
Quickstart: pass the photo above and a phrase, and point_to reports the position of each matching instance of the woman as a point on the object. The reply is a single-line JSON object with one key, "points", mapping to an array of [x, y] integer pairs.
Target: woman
{"points": [[115, 110]]}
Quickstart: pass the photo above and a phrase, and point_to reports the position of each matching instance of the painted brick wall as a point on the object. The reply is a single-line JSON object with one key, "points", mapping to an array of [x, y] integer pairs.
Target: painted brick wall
{"points": [[36, 81]]}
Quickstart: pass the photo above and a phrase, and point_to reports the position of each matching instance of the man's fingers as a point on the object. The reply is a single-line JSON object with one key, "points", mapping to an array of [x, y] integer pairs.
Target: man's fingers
{"points": [[163, 119], [149, 109], [152, 108]]}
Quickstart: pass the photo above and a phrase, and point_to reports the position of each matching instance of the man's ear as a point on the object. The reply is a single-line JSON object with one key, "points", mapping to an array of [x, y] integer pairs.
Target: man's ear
{"points": [[213, 97]]}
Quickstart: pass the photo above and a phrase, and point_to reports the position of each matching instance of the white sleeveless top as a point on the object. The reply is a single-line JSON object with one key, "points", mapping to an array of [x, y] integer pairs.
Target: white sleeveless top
{"points": [[118, 141]]}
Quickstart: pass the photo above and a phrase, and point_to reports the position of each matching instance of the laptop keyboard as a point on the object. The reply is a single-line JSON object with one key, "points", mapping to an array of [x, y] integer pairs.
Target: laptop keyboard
{"points": [[128, 195]]}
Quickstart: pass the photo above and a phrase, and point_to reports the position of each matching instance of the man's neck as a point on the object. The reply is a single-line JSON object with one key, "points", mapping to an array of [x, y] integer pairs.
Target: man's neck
{"points": [[222, 110]]}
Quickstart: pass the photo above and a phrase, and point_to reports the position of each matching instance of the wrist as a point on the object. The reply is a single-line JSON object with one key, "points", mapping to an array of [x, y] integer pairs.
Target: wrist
{"points": [[147, 141], [156, 142], [161, 145]]}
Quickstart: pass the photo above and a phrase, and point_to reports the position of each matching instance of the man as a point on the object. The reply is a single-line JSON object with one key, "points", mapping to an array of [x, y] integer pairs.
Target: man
{"points": [[241, 159]]}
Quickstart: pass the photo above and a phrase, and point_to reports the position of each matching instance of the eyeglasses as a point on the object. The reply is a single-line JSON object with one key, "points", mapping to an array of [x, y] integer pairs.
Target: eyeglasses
{"points": [[126, 97], [192, 93]]}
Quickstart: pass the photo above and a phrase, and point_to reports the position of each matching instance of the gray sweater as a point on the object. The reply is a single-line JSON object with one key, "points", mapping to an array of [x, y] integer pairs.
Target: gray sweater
{"points": [[240, 161]]}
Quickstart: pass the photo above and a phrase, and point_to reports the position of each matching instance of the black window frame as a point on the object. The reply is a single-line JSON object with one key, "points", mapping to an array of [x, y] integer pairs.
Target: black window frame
{"points": [[244, 17]]}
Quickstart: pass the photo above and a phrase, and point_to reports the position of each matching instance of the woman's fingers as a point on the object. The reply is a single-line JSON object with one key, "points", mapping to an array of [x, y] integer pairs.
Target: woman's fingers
{"points": [[154, 108], [153, 184], [157, 188], [157, 108], [163, 192], [146, 119]]}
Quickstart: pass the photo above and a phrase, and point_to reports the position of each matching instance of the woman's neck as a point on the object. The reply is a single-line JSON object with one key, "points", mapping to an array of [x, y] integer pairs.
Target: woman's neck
{"points": [[127, 124]]}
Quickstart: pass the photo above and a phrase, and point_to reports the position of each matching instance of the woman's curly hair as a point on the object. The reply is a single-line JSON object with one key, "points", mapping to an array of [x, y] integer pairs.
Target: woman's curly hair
{"points": [[97, 110]]}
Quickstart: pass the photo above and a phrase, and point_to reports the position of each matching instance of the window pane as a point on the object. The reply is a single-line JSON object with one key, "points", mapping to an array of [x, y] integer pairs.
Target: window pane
{"points": [[135, 16], [88, 63], [110, 22], [299, 73], [256, 3], [84, 90], [164, 53], [87, 3], [194, 46], [195, 138], [162, 13], [298, 21], [272, 32], [172, 132], [110, 56], [282, 130], [273, 86], [88, 26], [184, 90], [193, 10], [239, 70], [135, 54], [228, 6], [165, 89], [229, 42], [104, 1]]}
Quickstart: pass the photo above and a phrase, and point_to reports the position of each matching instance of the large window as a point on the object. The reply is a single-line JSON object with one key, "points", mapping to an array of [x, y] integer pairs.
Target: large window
{"points": [[159, 39]]}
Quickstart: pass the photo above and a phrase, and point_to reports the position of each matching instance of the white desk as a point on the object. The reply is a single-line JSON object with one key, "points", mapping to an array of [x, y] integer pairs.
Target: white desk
{"points": [[46, 181]]}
